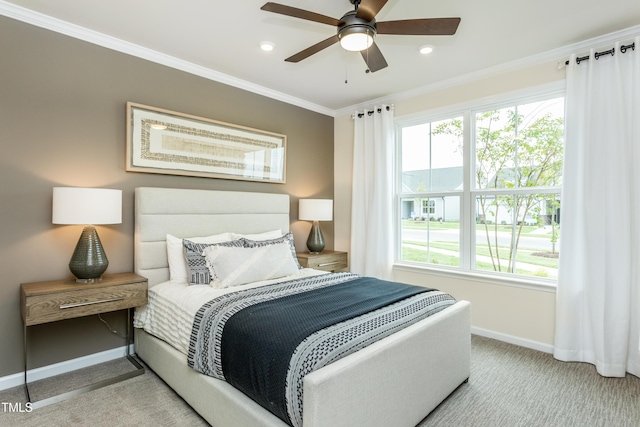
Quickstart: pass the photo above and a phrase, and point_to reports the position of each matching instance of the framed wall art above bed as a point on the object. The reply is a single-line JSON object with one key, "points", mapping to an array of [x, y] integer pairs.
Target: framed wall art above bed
{"points": [[168, 142]]}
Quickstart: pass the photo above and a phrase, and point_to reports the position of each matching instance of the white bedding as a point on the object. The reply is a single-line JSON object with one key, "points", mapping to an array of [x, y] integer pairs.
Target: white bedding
{"points": [[173, 305]]}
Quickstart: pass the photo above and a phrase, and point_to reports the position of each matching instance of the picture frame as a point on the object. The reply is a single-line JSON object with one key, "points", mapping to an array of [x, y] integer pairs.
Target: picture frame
{"points": [[167, 142]]}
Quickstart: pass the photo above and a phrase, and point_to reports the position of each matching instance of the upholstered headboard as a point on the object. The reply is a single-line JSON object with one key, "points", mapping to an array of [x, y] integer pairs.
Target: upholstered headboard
{"points": [[190, 213]]}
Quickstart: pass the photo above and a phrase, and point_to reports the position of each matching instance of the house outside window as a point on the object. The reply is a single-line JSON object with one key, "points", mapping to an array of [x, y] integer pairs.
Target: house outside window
{"points": [[479, 190]]}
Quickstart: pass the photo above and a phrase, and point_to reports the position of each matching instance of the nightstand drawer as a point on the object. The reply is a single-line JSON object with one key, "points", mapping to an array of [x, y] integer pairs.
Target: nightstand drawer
{"points": [[66, 302], [327, 260]]}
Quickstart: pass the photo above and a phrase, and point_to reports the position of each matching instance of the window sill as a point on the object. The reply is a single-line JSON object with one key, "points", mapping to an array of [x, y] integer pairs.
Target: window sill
{"points": [[488, 278]]}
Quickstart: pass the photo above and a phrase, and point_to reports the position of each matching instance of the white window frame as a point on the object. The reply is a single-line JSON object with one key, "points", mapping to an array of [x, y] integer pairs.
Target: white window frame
{"points": [[468, 194]]}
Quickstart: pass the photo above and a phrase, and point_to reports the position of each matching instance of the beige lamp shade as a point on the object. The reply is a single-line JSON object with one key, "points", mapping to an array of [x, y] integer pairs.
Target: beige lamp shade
{"points": [[73, 205], [315, 209]]}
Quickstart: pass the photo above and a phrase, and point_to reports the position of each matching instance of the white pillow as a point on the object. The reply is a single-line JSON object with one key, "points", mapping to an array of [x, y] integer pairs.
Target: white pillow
{"points": [[267, 235], [233, 266], [177, 263], [284, 238]]}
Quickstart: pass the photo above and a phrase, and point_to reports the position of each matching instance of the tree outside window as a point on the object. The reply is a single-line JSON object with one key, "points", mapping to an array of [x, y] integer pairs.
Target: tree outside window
{"points": [[513, 197]]}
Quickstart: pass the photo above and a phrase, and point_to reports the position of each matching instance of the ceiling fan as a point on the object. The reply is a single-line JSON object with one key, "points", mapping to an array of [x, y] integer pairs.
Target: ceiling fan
{"points": [[357, 29]]}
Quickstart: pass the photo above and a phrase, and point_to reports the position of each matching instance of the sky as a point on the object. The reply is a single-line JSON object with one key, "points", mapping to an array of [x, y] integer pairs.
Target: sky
{"points": [[444, 150]]}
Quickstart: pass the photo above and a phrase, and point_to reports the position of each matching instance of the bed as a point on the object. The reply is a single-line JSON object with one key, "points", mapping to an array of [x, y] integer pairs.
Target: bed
{"points": [[397, 380]]}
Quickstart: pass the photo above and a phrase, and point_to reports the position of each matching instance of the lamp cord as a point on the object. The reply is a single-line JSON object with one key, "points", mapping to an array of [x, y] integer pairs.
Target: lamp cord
{"points": [[110, 328]]}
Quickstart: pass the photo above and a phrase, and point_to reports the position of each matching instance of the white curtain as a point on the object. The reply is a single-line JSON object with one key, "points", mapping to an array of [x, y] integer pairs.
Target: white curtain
{"points": [[598, 295], [372, 197]]}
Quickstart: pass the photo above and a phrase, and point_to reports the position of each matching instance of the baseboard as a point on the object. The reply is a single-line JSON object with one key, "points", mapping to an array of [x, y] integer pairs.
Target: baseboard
{"points": [[522, 342], [63, 367], [93, 359]]}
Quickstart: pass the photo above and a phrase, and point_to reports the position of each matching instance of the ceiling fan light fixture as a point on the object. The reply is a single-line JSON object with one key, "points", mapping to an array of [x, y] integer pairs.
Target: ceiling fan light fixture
{"points": [[355, 41]]}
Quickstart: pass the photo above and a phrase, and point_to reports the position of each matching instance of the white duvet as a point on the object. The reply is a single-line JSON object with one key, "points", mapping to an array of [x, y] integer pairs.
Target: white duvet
{"points": [[173, 305]]}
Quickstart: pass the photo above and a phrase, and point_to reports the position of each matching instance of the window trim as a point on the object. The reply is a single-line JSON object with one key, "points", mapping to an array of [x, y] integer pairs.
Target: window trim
{"points": [[467, 111], [490, 278]]}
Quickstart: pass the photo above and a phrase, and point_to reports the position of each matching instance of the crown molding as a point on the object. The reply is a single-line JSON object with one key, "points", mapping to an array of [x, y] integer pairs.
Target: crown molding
{"points": [[557, 56], [63, 27]]}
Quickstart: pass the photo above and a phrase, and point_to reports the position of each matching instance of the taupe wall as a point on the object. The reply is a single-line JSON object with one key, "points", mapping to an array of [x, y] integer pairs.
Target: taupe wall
{"points": [[62, 123]]}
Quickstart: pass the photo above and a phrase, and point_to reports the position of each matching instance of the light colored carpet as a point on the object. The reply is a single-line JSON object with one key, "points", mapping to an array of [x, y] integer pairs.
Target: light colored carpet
{"points": [[509, 386], [512, 386], [140, 401]]}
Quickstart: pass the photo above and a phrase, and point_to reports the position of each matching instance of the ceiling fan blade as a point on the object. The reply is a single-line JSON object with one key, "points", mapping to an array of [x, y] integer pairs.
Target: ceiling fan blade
{"points": [[368, 9], [300, 13], [313, 49], [374, 58], [420, 27]]}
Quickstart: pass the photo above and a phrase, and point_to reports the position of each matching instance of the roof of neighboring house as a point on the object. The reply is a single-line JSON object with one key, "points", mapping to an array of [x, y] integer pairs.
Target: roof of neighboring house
{"points": [[442, 179]]}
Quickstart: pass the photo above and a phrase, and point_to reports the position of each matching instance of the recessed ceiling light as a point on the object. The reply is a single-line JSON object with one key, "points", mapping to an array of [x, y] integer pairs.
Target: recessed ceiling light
{"points": [[158, 126], [267, 46], [426, 49]]}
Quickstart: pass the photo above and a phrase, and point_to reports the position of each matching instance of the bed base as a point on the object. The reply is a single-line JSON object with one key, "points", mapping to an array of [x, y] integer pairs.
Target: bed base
{"points": [[396, 381]]}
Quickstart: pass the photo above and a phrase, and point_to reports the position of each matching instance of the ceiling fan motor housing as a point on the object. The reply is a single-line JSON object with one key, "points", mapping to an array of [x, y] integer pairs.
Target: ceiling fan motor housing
{"points": [[351, 24]]}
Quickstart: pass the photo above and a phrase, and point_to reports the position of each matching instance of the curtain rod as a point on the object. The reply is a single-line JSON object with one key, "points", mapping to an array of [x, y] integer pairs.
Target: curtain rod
{"points": [[370, 112], [611, 52]]}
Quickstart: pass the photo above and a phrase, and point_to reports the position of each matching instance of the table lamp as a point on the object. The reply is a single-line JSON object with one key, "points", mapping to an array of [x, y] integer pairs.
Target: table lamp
{"points": [[315, 210], [89, 207]]}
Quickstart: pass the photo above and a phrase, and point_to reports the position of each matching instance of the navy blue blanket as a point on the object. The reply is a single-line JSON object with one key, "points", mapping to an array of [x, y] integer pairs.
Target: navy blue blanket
{"points": [[258, 341], [264, 340]]}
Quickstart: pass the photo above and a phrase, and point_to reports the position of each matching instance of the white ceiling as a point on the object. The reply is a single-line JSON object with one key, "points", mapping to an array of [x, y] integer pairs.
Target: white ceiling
{"points": [[221, 39]]}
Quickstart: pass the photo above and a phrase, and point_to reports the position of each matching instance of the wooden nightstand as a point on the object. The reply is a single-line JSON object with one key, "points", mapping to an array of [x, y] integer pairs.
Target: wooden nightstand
{"points": [[44, 302], [325, 260]]}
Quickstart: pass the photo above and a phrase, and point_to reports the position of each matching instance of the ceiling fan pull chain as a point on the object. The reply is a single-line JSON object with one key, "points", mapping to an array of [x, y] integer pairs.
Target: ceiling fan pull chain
{"points": [[346, 71], [368, 70]]}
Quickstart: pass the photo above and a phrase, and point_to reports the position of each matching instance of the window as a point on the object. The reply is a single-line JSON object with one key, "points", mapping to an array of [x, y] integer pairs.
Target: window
{"points": [[428, 208], [431, 189], [480, 190]]}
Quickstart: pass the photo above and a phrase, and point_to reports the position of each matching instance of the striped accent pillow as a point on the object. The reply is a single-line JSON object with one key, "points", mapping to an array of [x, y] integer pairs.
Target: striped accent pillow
{"points": [[175, 252], [196, 264]]}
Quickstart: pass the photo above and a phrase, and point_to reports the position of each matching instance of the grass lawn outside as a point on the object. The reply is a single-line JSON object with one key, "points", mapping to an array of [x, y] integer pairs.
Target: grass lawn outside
{"points": [[412, 251]]}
